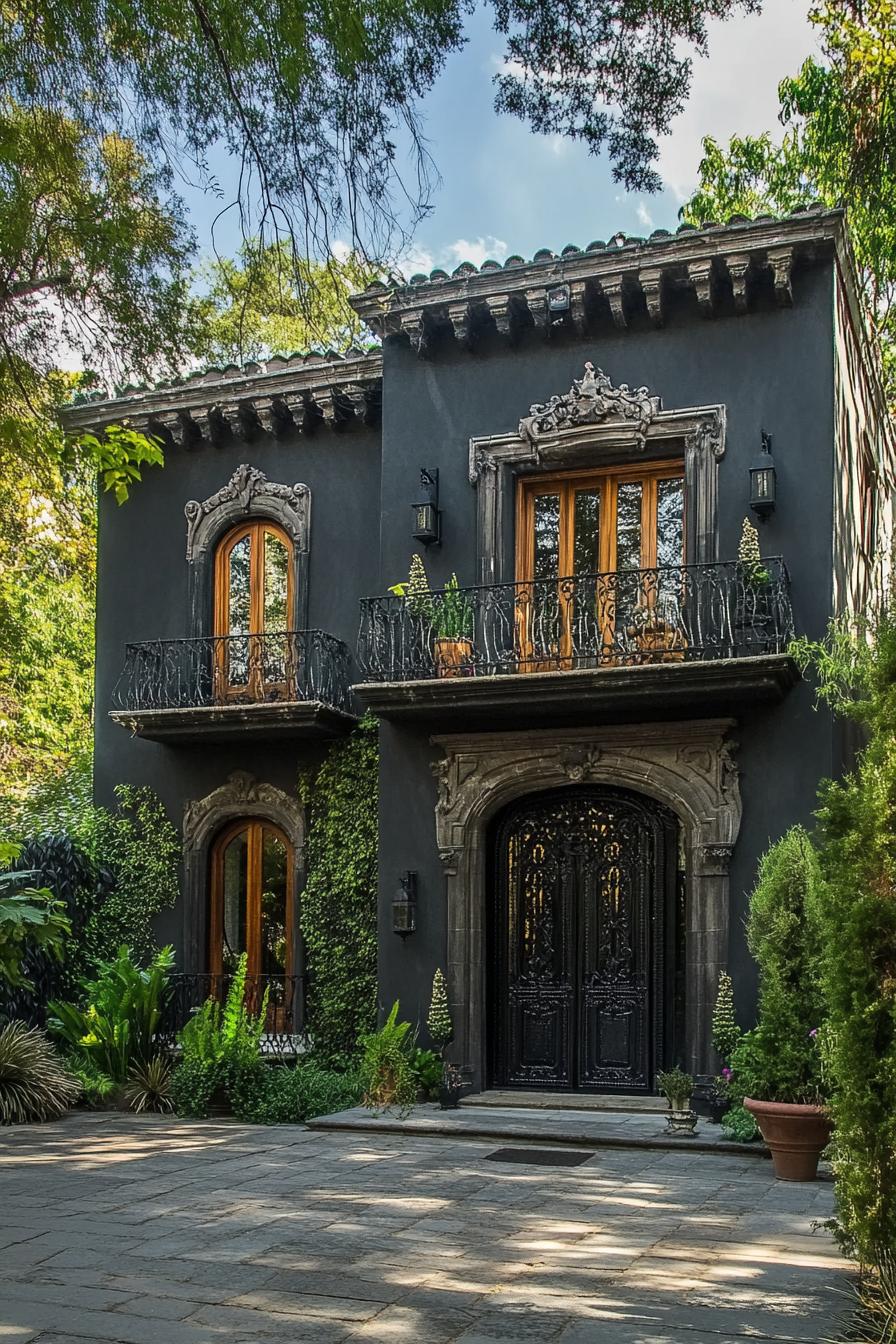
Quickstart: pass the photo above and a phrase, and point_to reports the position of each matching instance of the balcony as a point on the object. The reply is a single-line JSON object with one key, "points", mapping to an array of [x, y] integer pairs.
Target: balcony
{"points": [[294, 683], [653, 641]]}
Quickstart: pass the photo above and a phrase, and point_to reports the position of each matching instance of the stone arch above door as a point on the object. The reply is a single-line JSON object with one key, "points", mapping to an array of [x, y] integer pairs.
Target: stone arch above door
{"points": [[688, 766]]}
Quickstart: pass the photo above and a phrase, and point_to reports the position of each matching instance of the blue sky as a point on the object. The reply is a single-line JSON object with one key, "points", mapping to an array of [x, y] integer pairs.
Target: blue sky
{"points": [[506, 190]]}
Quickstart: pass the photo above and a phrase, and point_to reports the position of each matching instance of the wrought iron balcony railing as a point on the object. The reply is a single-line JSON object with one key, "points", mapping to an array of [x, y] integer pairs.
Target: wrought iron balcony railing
{"points": [[284, 1028], [674, 614], [293, 665]]}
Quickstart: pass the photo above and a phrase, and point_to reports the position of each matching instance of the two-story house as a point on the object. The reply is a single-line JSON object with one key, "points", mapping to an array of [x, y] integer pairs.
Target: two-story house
{"points": [[587, 743]]}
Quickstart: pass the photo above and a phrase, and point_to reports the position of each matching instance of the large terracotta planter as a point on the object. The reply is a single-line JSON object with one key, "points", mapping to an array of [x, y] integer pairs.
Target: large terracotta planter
{"points": [[452, 656], [797, 1135]]}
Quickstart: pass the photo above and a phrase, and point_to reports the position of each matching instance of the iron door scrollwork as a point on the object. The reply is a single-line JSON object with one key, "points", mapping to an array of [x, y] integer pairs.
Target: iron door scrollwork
{"points": [[579, 920]]}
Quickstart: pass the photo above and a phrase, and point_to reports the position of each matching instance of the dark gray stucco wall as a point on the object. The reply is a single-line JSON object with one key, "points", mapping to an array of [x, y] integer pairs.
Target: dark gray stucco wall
{"points": [[772, 370], [143, 594]]}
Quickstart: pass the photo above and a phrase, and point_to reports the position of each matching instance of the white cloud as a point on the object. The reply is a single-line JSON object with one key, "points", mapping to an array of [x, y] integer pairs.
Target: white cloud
{"points": [[417, 260], [476, 250], [735, 90], [644, 216]]}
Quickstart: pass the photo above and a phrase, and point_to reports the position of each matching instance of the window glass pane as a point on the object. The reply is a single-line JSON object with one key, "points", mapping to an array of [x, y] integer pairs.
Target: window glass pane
{"points": [[273, 905], [234, 869], [628, 525], [276, 569], [586, 532], [670, 522], [547, 536], [238, 611]]}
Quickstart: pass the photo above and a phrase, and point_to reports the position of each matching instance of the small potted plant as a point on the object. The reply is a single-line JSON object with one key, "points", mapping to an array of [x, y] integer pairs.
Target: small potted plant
{"points": [[752, 611], [678, 1088], [718, 1097], [657, 639], [452, 624], [441, 1032], [452, 1087]]}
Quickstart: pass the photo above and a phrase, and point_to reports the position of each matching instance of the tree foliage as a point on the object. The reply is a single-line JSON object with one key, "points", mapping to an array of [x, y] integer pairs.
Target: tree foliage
{"points": [[839, 147], [255, 306], [856, 671]]}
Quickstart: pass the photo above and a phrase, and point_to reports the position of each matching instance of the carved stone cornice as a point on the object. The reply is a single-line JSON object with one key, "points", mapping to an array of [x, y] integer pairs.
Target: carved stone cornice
{"points": [[248, 491], [279, 398], [726, 268], [591, 400]]}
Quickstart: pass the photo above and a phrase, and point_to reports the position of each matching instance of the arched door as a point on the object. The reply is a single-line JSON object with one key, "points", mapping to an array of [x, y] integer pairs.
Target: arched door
{"points": [[253, 906], [253, 614], [582, 931]]}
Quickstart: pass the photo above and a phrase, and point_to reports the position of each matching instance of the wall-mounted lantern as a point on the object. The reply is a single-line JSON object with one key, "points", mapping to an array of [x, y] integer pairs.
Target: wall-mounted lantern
{"points": [[427, 517], [558, 301], [762, 479], [404, 905]]}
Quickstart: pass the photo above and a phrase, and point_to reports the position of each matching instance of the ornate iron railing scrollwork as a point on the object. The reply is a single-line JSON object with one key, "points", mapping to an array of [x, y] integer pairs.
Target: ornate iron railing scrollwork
{"points": [[284, 1028], [678, 613], [293, 665]]}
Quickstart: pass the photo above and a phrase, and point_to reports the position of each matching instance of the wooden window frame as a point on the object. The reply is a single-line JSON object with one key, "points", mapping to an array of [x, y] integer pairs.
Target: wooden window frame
{"points": [[607, 480], [256, 686], [255, 828]]}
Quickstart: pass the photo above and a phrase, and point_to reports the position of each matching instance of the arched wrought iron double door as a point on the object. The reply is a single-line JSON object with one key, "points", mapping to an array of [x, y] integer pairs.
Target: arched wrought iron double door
{"points": [[581, 941]]}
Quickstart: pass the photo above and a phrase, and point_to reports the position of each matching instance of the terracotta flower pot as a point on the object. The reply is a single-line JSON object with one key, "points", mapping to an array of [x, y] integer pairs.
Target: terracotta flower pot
{"points": [[451, 655], [796, 1135]]}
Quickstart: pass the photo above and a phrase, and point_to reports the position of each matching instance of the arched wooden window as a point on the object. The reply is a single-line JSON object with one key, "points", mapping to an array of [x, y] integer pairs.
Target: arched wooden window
{"points": [[254, 602], [253, 903]]}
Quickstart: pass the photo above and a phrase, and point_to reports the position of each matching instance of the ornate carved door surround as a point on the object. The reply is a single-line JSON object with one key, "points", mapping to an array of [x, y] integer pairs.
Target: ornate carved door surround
{"points": [[689, 766]]}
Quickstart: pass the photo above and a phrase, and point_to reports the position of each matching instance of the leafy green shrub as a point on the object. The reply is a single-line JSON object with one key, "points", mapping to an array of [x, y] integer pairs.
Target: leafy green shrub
{"points": [[427, 1067], [34, 1084], [29, 918], [856, 667], [386, 1069], [676, 1086], [338, 908], [96, 1088], [290, 1095], [739, 1125], [220, 1050], [124, 1007], [149, 1085], [779, 1060]]}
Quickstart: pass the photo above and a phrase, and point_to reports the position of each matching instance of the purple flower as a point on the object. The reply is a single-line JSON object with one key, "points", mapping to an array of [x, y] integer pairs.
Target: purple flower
{"points": [[726, 1073], [813, 1033]]}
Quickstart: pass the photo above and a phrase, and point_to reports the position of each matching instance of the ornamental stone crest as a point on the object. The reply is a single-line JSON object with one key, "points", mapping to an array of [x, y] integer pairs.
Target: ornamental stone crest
{"points": [[242, 796], [248, 492], [591, 400]]}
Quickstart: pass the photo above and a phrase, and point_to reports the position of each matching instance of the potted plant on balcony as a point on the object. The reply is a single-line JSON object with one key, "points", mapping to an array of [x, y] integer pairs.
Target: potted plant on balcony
{"points": [[753, 607], [678, 1088], [777, 1067], [452, 623], [657, 638]]}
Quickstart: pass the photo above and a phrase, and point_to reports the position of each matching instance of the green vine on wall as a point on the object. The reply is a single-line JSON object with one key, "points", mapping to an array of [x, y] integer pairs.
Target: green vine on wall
{"points": [[338, 908]]}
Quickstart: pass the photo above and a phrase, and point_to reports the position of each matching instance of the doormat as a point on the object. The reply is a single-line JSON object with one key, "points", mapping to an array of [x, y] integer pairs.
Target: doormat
{"points": [[540, 1157]]}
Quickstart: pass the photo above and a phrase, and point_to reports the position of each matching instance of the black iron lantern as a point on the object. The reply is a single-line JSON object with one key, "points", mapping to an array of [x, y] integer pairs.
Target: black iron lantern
{"points": [[427, 518], [558, 301], [762, 479], [404, 906]]}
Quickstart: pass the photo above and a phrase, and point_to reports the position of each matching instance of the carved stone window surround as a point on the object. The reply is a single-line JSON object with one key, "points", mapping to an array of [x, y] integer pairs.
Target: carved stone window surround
{"points": [[640, 432], [243, 796], [689, 766], [248, 494]]}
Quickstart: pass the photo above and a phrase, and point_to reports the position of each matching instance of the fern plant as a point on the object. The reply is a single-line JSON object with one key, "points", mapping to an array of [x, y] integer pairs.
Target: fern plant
{"points": [[220, 1049], [387, 1073]]}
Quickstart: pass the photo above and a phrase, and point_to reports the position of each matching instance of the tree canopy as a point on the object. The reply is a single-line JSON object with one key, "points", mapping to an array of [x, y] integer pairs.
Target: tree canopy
{"points": [[839, 147]]}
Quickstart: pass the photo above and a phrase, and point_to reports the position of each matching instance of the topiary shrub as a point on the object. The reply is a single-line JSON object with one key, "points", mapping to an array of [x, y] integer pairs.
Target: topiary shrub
{"points": [[34, 1084], [339, 902]]}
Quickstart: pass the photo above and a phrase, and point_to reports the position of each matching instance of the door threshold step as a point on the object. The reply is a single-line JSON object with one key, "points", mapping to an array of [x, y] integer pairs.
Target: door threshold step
{"points": [[510, 1099]]}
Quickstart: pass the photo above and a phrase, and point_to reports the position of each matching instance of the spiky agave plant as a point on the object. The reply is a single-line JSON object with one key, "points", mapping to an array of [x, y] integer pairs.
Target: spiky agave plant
{"points": [[149, 1086], [34, 1084]]}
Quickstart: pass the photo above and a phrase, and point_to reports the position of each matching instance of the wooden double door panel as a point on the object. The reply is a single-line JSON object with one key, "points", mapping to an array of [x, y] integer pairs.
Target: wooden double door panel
{"points": [[588, 548], [581, 941]]}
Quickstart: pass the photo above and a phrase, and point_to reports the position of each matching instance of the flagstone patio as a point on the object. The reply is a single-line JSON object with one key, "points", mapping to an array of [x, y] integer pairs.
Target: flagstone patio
{"points": [[156, 1231]]}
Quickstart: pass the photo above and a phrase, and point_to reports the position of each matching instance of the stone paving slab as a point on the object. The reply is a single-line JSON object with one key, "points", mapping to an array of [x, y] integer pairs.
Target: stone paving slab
{"points": [[584, 1128], [147, 1230]]}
